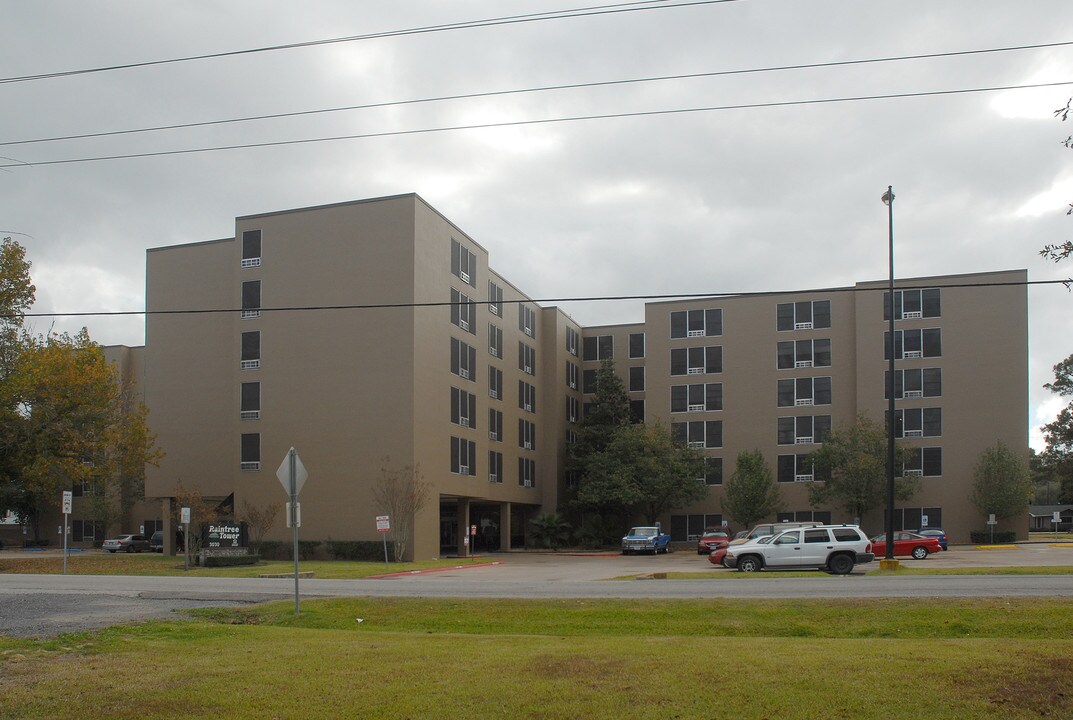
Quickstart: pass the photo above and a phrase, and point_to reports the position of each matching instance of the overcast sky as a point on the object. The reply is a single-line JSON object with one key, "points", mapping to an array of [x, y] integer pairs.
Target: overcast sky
{"points": [[747, 199]]}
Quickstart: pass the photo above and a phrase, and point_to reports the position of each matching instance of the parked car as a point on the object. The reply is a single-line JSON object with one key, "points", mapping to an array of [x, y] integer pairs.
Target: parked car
{"points": [[907, 543], [126, 543], [836, 548], [719, 554], [156, 542], [711, 539], [766, 529], [936, 533], [646, 538]]}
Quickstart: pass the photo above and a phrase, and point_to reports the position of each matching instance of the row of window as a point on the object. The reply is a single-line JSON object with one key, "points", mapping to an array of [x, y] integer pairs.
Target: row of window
{"points": [[922, 462], [602, 347], [464, 462]]}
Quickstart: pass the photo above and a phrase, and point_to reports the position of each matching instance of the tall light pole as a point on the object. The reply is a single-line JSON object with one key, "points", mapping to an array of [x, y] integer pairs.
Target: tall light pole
{"points": [[888, 200]]}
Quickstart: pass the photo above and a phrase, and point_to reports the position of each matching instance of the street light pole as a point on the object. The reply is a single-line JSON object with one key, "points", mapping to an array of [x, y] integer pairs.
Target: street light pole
{"points": [[889, 561]]}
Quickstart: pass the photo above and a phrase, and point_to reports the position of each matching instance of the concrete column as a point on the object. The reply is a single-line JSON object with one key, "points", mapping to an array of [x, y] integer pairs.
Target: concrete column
{"points": [[464, 550], [504, 526], [168, 529]]}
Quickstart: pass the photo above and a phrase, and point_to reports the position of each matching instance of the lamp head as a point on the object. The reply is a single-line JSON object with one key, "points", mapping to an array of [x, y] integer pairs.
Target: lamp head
{"points": [[888, 197]]}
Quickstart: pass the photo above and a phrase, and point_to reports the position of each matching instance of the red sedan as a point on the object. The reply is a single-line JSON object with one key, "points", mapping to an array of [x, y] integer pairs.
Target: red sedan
{"points": [[711, 539], [907, 543], [716, 556]]}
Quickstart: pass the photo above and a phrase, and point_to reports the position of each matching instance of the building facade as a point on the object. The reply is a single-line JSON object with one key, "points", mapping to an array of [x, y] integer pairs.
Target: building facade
{"points": [[375, 334]]}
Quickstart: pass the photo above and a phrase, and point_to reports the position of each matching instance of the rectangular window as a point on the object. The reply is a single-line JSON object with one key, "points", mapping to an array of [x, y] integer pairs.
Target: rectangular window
{"points": [[573, 408], [637, 379], [803, 429], [913, 518], [463, 457], [572, 373], [463, 408], [915, 383], [588, 383], [713, 471], [526, 396], [527, 320], [251, 299], [697, 360], [462, 310], [637, 411], [795, 468], [495, 425], [495, 382], [526, 435], [495, 341], [807, 315], [571, 341], [696, 323], [250, 451], [913, 304], [526, 472], [599, 347], [251, 350], [699, 434], [637, 345], [795, 392], [495, 299], [463, 360], [251, 248], [250, 408], [526, 358], [910, 344], [918, 422], [924, 462], [701, 397], [495, 467], [463, 263], [803, 354]]}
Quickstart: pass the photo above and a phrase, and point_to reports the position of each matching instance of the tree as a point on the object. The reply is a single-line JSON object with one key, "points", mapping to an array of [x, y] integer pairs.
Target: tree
{"points": [[550, 530], [1002, 484], [202, 512], [852, 463], [259, 520], [16, 297], [751, 493], [1058, 433], [1061, 251], [401, 493]]}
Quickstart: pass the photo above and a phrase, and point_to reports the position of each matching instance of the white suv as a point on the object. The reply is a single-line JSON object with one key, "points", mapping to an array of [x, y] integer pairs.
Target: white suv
{"points": [[836, 548]]}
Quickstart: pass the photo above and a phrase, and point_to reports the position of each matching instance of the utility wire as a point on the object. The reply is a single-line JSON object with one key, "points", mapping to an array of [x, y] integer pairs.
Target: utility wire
{"points": [[544, 88], [544, 301], [464, 25], [546, 121]]}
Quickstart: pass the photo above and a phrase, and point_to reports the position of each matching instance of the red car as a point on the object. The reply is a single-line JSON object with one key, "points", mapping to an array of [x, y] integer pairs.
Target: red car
{"points": [[711, 539], [716, 556], [907, 543]]}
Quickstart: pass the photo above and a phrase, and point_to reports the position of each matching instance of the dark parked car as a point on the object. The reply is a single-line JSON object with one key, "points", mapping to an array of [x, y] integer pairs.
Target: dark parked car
{"points": [[936, 533], [156, 543], [127, 543]]}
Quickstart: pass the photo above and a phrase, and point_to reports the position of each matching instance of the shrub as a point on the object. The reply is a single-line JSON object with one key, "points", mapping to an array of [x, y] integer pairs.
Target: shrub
{"points": [[984, 537], [366, 550], [231, 560]]}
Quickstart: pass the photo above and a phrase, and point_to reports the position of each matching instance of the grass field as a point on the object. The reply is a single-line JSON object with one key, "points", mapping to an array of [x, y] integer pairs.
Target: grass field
{"points": [[634, 660]]}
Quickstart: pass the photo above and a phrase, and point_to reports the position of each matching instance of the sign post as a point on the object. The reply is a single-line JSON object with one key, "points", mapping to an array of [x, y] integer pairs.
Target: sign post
{"points": [[292, 475], [67, 495], [1055, 519], [383, 526], [184, 518], [992, 523]]}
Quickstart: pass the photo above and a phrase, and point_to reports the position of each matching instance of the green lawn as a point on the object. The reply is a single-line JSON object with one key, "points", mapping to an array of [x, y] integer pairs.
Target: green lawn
{"points": [[153, 564], [543, 660]]}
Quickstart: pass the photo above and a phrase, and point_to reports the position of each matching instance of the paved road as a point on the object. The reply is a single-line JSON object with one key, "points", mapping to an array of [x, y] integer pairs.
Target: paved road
{"points": [[48, 604]]}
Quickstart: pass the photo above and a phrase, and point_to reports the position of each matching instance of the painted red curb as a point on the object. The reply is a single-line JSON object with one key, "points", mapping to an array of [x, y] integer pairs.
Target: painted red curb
{"points": [[408, 573]]}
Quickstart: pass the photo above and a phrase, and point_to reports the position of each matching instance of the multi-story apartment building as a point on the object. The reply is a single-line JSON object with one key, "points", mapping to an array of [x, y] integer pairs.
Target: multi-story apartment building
{"points": [[375, 333]]}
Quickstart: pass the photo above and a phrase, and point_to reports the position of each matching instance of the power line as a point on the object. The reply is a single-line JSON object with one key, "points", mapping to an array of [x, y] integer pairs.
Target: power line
{"points": [[545, 121], [464, 25], [544, 301], [545, 88]]}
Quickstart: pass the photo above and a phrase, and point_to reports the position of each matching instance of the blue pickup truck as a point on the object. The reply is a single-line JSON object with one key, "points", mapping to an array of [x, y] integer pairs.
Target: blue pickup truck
{"points": [[646, 539]]}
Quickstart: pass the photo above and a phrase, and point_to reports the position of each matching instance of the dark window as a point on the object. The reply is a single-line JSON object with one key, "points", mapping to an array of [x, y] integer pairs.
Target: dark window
{"points": [[909, 344], [573, 407], [815, 535], [495, 425], [637, 345], [495, 299], [251, 350], [804, 315], [250, 457], [526, 358], [527, 320], [637, 411], [462, 311], [713, 470], [696, 323], [526, 472], [495, 466], [526, 396], [251, 297], [572, 372], [911, 304], [463, 408], [713, 433], [463, 263], [463, 360], [637, 379], [495, 341], [571, 341], [932, 461], [251, 401], [251, 247], [713, 359], [495, 382], [588, 383], [679, 364], [526, 435], [463, 456]]}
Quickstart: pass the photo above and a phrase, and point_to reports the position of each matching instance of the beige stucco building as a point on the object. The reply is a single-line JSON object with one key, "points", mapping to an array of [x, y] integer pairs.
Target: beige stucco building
{"points": [[376, 332]]}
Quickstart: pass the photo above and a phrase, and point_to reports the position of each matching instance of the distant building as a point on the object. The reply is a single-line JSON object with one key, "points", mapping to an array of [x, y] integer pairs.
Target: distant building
{"points": [[376, 332]]}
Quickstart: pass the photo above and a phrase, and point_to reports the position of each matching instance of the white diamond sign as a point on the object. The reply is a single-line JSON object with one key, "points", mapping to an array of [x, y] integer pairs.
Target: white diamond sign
{"points": [[284, 473]]}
